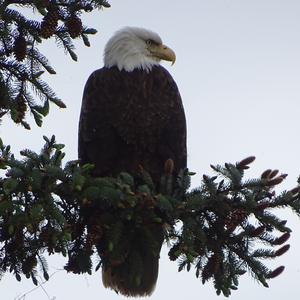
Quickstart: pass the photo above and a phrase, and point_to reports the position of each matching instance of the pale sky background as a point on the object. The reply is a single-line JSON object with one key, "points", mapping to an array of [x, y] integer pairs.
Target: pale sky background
{"points": [[238, 71]]}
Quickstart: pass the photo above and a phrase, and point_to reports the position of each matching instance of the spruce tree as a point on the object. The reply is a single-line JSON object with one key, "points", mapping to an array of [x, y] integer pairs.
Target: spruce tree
{"points": [[229, 225]]}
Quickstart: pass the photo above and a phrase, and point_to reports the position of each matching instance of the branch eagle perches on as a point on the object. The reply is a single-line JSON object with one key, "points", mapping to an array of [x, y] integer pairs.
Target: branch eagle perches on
{"points": [[229, 226]]}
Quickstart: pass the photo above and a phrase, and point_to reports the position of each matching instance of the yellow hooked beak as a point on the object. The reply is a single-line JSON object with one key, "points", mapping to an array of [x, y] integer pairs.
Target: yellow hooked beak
{"points": [[163, 52]]}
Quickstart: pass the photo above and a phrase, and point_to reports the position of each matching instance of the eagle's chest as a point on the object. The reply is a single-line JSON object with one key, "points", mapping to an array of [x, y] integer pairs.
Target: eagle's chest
{"points": [[139, 115]]}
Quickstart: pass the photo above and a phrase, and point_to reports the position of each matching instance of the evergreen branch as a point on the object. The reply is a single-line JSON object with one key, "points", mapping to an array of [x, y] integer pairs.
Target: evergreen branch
{"points": [[48, 207], [64, 40], [36, 56], [21, 63]]}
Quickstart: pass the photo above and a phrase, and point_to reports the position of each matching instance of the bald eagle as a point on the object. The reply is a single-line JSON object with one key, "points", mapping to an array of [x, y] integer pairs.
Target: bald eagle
{"points": [[132, 115]]}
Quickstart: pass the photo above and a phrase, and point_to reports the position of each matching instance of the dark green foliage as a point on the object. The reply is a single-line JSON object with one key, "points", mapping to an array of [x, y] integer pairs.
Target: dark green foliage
{"points": [[218, 233], [22, 64], [45, 207]]}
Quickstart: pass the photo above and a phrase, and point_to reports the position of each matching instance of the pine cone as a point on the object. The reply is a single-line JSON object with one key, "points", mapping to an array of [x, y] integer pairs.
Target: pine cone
{"points": [[95, 235], [235, 218], [20, 109], [20, 48], [74, 26], [49, 23], [212, 267], [45, 3], [21, 104]]}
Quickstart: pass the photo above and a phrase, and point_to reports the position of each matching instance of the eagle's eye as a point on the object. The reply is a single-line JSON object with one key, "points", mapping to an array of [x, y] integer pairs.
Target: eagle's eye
{"points": [[149, 42]]}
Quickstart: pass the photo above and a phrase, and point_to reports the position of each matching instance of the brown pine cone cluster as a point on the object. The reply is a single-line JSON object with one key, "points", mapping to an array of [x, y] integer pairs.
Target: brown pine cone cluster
{"points": [[74, 26], [44, 3], [21, 108], [20, 48], [212, 267], [50, 22], [235, 218]]}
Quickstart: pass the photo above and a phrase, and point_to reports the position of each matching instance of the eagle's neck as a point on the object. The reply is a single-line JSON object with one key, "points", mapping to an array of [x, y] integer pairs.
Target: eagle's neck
{"points": [[129, 61]]}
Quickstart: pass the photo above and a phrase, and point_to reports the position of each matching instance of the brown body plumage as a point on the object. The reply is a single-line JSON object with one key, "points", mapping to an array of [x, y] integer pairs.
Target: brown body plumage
{"points": [[130, 119]]}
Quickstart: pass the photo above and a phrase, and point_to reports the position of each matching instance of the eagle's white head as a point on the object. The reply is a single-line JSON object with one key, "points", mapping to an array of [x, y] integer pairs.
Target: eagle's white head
{"points": [[136, 48]]}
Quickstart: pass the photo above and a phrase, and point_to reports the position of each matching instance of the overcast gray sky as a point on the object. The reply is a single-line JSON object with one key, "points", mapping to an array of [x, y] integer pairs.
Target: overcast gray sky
{"points": [[238, 71]]}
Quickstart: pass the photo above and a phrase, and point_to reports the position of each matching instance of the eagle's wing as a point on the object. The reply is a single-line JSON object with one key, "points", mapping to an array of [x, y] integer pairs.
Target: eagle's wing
{"points": [[96, 139]]}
